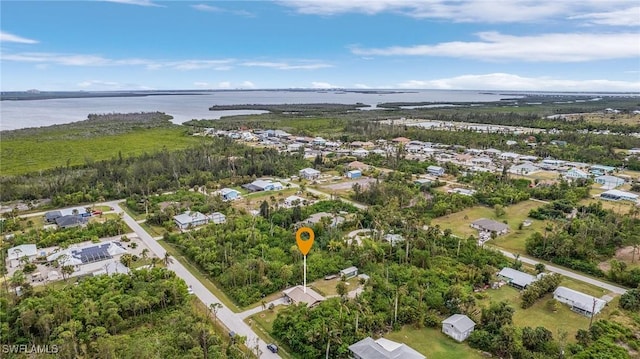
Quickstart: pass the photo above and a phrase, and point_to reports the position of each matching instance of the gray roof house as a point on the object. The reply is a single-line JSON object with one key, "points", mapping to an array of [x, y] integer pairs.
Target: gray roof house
{"points": [[458, 326], [578, 301], [516, 278], [70, 221], [383, 348], [297, 295], [489, 225], [14, 254], [190, 219]]}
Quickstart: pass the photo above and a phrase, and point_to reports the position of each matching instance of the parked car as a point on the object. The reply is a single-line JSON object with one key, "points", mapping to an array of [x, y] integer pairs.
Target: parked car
{"points": [[190, 290], [272, 347]]}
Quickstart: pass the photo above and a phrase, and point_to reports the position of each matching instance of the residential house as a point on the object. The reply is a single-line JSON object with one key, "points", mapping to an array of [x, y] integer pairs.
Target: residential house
{"points": [[263, 185], [510, 156], [229, 194], [190, 219], [462, 191], [575, 173], [15, 254], [360, 152], [481, 161], [349, 272], [616, 195], [51, 216], [458, 327], [524, 168], [88, 253], [317, 218], [293, 201], [422, 181], [435, 170], [516, 278], [111, 268], [70, 221], [578, 301], [298, 294], [383, 348], [488, 225], [357, 165], [353, 174], [609, 182], [319, 141], [309, 173], [599, 170], [393, 238], [217, 218], [402, 140]]}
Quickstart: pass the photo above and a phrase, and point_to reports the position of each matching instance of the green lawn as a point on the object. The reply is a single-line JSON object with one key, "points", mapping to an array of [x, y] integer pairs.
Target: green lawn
{"points": [[262, 324], [540, 314], [328, 287], [28, 154], [513, 241], [433, 343]]}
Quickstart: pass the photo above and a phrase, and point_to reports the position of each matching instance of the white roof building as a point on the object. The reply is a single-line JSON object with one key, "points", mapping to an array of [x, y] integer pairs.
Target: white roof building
{"points": [[383, 348], [22, 250], [578, 301]]}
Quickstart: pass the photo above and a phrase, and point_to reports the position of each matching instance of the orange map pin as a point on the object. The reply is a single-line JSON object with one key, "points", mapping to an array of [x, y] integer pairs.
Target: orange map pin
{"points": [[304, 246]]}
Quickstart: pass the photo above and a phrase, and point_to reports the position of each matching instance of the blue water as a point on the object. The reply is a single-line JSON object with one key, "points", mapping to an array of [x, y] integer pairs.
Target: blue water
{"points": [[36, 113]]}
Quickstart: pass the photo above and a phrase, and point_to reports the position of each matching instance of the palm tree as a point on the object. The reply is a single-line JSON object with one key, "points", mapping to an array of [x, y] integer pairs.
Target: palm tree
{"points": [[167, 259], [144, 254], [154, 262], [213, 308]]}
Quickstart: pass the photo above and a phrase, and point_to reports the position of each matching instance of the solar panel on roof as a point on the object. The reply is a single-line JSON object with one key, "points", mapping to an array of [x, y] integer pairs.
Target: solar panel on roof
{"points": [[93, 254]]}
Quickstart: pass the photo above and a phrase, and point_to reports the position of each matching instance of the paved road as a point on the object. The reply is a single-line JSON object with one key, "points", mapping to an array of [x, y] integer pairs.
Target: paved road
{"points": [[233, 321], [566, 273]]}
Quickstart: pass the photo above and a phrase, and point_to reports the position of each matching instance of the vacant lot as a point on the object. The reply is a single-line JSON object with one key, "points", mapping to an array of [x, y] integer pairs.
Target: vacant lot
{"points": [[348, 184], [514, 241]]}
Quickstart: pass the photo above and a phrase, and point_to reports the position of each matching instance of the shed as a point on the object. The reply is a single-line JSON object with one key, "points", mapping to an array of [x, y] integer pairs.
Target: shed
{"points": [[458, 327], [349, 272]]}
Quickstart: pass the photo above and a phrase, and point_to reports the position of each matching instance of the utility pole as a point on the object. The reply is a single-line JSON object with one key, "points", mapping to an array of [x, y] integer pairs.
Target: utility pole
{"points": [[593, 309]]}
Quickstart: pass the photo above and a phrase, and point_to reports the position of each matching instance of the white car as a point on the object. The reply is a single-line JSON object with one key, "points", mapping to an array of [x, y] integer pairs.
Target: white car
{"points": [[190, 290]]}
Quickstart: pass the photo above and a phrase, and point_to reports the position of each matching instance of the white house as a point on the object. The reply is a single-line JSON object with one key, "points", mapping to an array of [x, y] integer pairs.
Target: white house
{"points": [[349, 272], [578, 301], [435, 170], [575, 173], [360, 152], [190, 219], [616, 195], [309, 173], [293, 201], [382, 348], [14, 254], [524, 168], [297, 294], [609, 182], [458, 327], [516, 278], [217, 218], [263, 185], [509, 156]]}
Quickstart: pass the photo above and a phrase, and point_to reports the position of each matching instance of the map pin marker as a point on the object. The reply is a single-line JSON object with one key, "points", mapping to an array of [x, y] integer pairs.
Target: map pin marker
{"points": [[304, 246]]}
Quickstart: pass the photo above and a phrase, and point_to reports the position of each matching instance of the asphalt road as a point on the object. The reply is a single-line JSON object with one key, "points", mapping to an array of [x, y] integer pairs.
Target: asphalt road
{"points": [[233, 321]]}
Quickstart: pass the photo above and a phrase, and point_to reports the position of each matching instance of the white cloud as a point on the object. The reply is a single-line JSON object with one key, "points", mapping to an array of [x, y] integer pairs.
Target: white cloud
{"points": [[210, 8], [93, 83], [485, 11], [623, 17], [7, 37], [248, 85], [323, 85], [136, 2], [361, 86], [97, 60], [201, 84], [504, 81], [224, 84], [572, 47], [286, 66]]}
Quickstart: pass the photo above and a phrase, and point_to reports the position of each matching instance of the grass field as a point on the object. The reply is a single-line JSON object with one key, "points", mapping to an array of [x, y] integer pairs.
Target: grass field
{"points": [[22, 155], [433, 343], [328, 287], [514, 241], [540, 314]]}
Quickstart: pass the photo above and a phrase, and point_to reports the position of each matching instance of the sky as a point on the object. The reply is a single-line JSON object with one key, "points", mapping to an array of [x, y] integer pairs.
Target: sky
{"points": [[539, 45]]}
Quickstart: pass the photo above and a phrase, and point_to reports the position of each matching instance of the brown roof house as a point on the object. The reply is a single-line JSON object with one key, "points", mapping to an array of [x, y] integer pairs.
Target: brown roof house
{"points": [[297, 294]]}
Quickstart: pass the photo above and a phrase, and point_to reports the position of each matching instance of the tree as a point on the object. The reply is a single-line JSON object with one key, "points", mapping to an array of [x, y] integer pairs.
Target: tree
{"points": [[167, 259], [341, 289], [144, 254], [631, 300], [540, 268], [264, 209], [67, 270], [213, 309], [17, 280], [496, 316], [126, 259]]}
